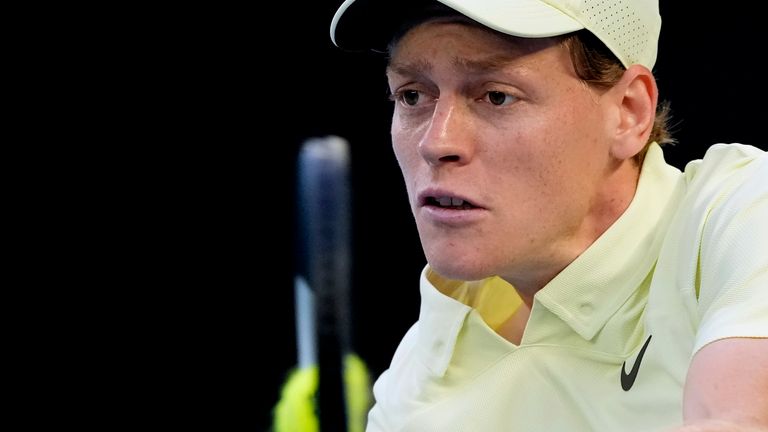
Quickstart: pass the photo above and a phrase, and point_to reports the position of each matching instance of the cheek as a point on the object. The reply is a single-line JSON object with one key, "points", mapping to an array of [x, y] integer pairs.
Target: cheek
{"points": [[399, 147], [405, 147], [571, 139], [540, 162], [405, 150]]}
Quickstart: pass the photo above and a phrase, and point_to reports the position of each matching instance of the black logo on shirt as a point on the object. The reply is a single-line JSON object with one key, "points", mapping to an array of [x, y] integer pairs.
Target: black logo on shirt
{"points": [[628, 380]]}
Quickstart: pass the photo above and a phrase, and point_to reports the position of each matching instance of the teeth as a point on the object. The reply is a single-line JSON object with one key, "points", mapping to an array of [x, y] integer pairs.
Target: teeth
{"points": [[450, 202]]}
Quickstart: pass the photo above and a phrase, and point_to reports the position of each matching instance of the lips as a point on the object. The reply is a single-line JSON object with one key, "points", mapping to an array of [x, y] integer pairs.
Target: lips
{"points": [[444, 209]]}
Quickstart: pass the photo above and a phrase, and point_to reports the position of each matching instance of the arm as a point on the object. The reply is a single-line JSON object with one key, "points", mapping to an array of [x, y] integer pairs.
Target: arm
{"points": [[727, 387]]}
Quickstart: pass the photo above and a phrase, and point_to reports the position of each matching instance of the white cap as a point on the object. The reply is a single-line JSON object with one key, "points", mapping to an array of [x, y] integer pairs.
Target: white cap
{"points": [[629, 28]]}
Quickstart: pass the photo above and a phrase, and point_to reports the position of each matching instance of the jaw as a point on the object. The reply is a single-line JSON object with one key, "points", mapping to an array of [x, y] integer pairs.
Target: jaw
{"points": [[456, 253]]}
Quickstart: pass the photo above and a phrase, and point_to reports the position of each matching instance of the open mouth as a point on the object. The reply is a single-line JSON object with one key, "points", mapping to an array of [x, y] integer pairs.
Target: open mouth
{"points": [[449, 203]]}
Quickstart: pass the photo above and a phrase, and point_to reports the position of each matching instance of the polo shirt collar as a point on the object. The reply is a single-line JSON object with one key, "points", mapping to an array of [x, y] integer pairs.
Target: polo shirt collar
{"points": [[587, 292], [593, 287], [440, 319]]}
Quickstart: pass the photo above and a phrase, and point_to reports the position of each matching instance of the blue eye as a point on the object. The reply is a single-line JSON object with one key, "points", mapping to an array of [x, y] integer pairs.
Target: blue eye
{"points": [[409, 97], [499, 98]]}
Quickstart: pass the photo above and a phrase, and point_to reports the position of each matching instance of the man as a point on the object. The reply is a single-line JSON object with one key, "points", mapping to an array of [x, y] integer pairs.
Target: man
{"points": [[575, 281]]}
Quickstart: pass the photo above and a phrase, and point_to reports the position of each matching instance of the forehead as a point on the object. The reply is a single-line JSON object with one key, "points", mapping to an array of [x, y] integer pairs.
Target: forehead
{"points": [[462, 36]]}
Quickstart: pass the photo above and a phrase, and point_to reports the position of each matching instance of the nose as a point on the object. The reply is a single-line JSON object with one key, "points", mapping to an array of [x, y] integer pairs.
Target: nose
{"points": [[448, 138]]}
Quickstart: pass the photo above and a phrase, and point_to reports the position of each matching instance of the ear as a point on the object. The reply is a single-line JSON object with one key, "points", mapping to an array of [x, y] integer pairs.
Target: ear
{"points": [[636, 96]]}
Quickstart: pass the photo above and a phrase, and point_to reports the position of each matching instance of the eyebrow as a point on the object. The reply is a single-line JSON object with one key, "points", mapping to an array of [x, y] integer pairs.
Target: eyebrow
{"points": [[418, 67], [485, 65], [488, 64]]}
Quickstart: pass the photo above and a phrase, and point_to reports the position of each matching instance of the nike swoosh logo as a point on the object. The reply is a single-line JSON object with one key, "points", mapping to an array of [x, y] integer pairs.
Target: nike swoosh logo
{"points": [[628, 379]]}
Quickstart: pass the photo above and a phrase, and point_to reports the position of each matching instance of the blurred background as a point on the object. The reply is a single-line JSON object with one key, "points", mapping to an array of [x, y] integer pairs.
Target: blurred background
{"points": [[707, 68]]}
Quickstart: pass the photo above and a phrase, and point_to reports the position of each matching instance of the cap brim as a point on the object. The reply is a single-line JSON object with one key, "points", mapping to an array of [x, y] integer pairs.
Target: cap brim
{"points": [[370, 24]]}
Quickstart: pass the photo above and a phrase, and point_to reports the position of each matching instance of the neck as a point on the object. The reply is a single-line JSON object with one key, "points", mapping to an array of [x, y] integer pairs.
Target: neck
{"points": [[610, 201]]}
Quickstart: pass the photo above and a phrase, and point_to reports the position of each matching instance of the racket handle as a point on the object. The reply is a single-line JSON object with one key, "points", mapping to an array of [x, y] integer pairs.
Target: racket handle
{"points": [[324, 236]]}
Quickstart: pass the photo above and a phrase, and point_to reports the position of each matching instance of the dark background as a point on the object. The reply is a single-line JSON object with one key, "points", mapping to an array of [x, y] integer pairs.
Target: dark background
{"points": [[707, 68]]}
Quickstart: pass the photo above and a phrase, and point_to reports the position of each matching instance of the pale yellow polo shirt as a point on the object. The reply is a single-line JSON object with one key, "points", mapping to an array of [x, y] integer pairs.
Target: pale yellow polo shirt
{"points": [[685, 265]]}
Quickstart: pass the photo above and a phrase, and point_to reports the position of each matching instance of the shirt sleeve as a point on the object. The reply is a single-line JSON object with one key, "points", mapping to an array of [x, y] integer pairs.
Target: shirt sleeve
{"points": [[732, 273]]}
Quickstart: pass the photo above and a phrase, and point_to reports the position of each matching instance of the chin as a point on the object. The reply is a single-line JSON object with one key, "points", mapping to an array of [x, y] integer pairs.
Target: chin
{"points": [[456, 258], [458, 268]]}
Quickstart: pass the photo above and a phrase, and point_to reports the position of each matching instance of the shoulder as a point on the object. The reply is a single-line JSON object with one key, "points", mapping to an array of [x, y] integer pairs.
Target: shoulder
{"points": [[728, 179], [727, 205], [723, 161]]}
